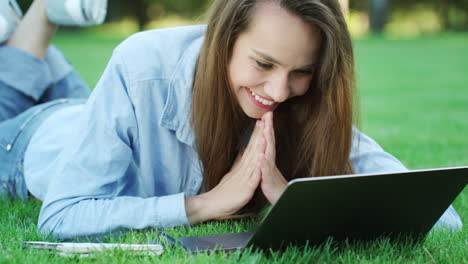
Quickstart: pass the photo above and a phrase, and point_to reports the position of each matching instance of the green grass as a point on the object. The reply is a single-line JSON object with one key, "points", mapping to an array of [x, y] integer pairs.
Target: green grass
{"points": [[414, 101]]}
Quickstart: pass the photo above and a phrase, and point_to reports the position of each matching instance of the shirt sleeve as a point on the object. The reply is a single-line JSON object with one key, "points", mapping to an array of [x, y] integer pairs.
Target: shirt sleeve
{"points": [[82, 197], [368, 157]]}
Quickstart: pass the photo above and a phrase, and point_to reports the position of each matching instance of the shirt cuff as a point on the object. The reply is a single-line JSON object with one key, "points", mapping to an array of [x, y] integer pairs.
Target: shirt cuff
{"points": [[24, 72], [58, 65], [171, 211]]}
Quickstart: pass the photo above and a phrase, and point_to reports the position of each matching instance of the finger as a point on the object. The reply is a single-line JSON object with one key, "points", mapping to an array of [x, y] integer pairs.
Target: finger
{"points": [[256, 145], [256, 175], [269, 132], [258, 131], [259, 148], [253, 136], [258, 170], [254, 181], [265, 168]]}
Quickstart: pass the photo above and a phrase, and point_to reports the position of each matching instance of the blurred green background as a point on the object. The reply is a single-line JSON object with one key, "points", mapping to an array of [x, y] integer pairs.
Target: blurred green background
{"points": [[396, 17]]}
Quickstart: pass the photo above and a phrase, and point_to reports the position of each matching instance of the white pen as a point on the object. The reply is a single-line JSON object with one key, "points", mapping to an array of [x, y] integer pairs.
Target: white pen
{"points": [[83, 248]]}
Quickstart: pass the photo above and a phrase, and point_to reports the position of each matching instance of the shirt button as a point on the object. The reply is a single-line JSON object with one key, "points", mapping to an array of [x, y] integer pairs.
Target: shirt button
{"points": [[8, 147]]}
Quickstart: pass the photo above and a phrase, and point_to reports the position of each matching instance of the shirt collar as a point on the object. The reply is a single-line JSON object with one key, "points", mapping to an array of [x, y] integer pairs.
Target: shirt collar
{"points": [[177, 110]]}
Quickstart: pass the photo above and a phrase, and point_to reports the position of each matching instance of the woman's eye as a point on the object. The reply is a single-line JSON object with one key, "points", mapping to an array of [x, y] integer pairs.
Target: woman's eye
{"points": [[304, 72], [264, 66]]}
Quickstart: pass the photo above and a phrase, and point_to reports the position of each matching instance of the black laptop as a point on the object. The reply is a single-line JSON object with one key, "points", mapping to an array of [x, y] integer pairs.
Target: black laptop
{"points": [[356, 207]]}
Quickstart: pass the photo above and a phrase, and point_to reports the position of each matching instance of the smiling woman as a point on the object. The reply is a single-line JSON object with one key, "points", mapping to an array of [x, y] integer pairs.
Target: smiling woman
{"points": [[291, 57], [186, 124], [262, 82]]}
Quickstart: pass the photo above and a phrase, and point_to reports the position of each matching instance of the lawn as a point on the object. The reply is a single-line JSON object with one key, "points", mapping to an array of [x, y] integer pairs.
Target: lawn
{"points": [[414, 102]]}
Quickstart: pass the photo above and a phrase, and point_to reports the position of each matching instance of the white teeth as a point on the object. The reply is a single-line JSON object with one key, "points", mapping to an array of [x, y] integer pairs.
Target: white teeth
{"points": [[261, 100]]}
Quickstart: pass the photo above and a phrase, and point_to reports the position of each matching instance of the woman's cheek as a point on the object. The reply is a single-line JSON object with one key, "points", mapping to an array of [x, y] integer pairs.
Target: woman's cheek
{"points": [[252, 77], [301, 85]]}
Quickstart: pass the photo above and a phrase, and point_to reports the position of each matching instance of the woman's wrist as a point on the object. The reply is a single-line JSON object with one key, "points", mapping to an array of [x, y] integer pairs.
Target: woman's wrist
{"points": [[198, 209]]}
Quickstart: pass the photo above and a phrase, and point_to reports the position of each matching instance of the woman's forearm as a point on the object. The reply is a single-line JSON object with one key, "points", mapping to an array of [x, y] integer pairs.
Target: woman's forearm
{"points": [[197, 209], [79, 216]]}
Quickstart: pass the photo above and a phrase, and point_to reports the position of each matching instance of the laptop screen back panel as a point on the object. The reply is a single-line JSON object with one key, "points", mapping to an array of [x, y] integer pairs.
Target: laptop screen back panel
{"points": [[359, 207]]}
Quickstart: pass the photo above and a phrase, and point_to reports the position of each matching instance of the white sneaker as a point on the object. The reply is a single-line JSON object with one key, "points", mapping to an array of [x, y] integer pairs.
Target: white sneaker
{"points": [[10, 15], [77, 12]]}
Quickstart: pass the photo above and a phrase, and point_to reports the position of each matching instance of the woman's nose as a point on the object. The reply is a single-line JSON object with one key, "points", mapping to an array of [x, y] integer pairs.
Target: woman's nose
{"points": [[278, 88]]}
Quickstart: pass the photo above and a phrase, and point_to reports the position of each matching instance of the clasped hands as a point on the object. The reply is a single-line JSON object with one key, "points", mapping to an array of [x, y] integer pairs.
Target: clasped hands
{"points": [[255, 166], [272, 181]]}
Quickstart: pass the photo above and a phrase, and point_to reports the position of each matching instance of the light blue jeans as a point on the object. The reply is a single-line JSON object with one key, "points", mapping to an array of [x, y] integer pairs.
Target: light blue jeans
{"points": [[30, 90]]}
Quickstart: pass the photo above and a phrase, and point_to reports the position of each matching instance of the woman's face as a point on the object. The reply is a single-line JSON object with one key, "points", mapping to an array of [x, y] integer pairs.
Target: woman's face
{"points": [[273, 60]]}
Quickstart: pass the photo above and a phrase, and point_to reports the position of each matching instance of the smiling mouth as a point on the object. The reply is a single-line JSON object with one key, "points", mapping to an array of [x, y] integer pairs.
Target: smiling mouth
{"points": [[260, 101]]}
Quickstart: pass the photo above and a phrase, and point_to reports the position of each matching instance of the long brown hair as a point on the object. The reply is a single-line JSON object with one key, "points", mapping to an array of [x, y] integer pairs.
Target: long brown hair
{"points": [[313, 131]]}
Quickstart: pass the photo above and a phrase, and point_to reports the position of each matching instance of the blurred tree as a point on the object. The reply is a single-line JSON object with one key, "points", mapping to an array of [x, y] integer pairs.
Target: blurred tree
{"points": [[378, 10], [146, 10], [184, 7], [141, 13], [444, 13], [453, 13]]}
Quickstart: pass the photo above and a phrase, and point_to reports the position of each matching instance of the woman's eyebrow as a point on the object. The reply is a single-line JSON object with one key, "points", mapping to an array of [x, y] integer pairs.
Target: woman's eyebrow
{"points": [[309, 67], [266, 57], [275, 61]]}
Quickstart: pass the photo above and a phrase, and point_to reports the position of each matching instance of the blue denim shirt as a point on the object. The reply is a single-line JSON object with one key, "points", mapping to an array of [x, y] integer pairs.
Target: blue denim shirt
{"points": [[126, 158]]}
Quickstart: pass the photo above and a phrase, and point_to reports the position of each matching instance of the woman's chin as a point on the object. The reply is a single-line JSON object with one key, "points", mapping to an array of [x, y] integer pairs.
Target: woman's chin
{"points": [[254, 114]]}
